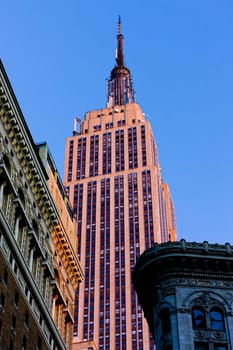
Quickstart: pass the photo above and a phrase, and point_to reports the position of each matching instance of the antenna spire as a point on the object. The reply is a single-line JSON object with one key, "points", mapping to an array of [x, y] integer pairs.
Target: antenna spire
{"points": [[119, 85], [119, 55], [119, 25]]}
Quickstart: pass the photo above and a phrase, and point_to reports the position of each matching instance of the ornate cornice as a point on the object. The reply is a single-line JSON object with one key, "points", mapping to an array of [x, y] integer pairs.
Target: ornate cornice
{"points": [[188, 257], [25, 150], [182, 263], [69, 257]]}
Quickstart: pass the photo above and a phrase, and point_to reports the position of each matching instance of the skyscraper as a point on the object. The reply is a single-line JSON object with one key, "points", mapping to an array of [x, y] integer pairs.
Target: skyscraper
{"points": [[122, 207]]}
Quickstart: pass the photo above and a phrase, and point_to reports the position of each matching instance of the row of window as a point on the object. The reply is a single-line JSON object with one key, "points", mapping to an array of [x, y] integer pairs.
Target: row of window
{"points": [[136, 311], [210, 320], [13, 324], [88, 315], [213, 320], [104, 292], [26, 238], [27, 235], [120, 318], [25, 342], [148, 208], [110, 125], [106, 152]]}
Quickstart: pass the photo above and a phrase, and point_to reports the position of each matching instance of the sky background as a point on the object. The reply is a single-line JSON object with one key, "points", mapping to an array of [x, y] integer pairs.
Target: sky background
{"points": [[58, 55]]}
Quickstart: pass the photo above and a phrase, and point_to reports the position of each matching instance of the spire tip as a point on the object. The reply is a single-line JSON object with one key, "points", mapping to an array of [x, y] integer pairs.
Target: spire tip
{"points": [[119, 25]]}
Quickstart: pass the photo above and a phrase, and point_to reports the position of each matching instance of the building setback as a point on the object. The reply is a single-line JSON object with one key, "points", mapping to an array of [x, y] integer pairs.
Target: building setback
{"points": [[39, 269], [185, 290], [122, 207]]}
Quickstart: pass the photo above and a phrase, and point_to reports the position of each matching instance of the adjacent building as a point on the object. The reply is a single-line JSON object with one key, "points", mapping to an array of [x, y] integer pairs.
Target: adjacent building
{"points": [[186, 292], [67, 270], [122, 206], [39, 268]]}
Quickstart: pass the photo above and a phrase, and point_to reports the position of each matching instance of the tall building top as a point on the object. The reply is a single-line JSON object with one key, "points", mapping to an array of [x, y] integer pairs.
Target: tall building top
{"points": [[119, 85]]}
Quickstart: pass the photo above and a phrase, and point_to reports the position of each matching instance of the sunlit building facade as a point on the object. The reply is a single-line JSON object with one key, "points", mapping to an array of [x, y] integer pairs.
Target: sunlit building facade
{"points": [[67, 269], [121, 205]]}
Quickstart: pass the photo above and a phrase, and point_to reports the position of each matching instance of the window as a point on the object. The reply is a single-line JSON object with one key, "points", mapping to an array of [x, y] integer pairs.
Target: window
{"points": [[39, 343], [13, 322], [164, 329], [11, 345], [2, 300], [216, 320], [21, 196], [81, 158], [198, 316], [7, 164], [70, 161], [210, 320], [26, 318], [165, 322], [24, 343], [16, 299], [5, 276]]}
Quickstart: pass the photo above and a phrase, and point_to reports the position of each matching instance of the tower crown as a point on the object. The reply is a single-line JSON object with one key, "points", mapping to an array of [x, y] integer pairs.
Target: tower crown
{"points": [[119, 85]]}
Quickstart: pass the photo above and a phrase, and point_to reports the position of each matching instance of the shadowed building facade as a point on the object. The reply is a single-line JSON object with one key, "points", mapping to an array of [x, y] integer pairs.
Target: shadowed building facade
{"points": [[39, 267], [122, 207], [186, 292]]}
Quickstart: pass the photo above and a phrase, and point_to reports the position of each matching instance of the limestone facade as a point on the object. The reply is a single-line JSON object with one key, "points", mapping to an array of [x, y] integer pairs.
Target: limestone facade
{"points": [[185, 290]]}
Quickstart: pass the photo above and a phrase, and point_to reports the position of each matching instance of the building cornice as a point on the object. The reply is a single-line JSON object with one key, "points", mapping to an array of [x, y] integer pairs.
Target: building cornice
{"points": [[180, 261], [25, 149], [181, 249], [66, 251]]}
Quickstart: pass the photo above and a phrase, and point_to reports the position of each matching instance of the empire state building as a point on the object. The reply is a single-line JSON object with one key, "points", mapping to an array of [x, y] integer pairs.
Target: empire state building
{"points": [[122, 207]]}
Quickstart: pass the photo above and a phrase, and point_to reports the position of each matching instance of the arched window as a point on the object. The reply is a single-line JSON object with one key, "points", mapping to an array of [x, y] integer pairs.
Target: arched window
{"points": [[208, 320], [216, 320], [198, 318], [165, 321]]}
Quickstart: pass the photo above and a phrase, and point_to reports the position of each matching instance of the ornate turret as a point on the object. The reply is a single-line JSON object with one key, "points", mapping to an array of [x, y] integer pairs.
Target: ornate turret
{"points": [[119, 86]]}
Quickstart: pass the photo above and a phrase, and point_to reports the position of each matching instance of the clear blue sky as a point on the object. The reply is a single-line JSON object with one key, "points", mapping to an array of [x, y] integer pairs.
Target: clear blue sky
{"points": [[58, 55]]}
